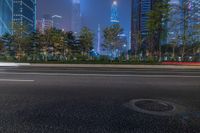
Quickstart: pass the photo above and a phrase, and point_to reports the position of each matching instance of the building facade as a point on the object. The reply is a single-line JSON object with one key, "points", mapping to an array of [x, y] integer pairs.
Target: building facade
{"points": [[194, 21], [56, 19], [24, 13], [175, 30], [140, 10], [114, 19], [6, 15], [76, 18], [44, 24]]}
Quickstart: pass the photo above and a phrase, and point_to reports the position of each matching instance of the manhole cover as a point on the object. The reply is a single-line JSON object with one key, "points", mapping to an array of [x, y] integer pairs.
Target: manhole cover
{"points": [[155, 107]]}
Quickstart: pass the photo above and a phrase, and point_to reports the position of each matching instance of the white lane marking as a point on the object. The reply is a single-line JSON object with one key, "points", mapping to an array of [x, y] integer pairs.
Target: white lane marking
{"points": [[103, 75], [15, 80]]}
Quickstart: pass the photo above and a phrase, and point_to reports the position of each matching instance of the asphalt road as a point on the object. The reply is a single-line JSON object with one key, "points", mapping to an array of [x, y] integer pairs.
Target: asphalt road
{"points": [[96, 100]]}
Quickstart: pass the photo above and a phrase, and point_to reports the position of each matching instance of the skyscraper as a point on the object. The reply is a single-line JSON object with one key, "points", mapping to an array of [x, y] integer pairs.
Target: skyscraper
{"points": [[24, 13], [189, 20], [114, 19], [6, 9], [194, 21], [56, 19], [140, 10], [175, 15], [76, 16], [45, 23]]}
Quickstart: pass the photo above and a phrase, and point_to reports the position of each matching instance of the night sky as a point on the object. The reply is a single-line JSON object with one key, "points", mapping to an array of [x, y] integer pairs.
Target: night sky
{"points": [[94, 12]]}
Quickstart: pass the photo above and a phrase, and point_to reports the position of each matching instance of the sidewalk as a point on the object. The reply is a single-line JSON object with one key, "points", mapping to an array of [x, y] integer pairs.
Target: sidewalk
{"points": [[118, 66], [3, 64], [162, 66], [182, 63]]}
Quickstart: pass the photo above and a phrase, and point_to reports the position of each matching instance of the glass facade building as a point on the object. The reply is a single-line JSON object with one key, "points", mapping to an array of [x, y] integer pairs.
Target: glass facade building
{"points": [[140, 10], [24, 13], [6, 10], [114, 13], [175, 16], [76, 16], [194, 21], [56, 19]]}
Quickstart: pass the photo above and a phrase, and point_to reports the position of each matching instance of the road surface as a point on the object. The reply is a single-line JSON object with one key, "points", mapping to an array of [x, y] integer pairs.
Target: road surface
{"points": [[97, 100]]}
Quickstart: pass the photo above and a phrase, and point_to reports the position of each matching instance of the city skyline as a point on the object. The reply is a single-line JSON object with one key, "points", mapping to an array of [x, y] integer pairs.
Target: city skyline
{"points": [[93, 12]]}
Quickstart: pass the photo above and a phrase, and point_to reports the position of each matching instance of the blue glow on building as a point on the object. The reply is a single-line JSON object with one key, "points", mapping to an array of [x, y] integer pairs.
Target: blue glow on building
{"points": [[24, 13], [140, 10], [194, 21], [6, 9], [76, 16], [114, 13]]}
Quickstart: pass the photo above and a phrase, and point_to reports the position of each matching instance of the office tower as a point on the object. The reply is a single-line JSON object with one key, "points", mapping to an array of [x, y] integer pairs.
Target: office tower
{"points": [[139, 14], [194, 21], [189, 20], [76, 16], [44, 24], [175, 16], [115, 20], [6, 9], [114, 13], [24, 13], [57, 21]]}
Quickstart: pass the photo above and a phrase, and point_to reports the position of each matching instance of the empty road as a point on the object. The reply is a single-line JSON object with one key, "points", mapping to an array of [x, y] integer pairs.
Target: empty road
{"points": [[99, 100]]}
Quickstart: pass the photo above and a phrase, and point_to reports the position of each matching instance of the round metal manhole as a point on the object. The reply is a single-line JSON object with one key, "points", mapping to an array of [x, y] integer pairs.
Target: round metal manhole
{"points": [[155, 107]]}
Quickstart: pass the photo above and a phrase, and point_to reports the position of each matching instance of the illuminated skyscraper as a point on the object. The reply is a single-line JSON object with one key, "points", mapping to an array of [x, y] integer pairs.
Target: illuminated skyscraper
{"points": [[194, 21], [175, 15], [189, 19], [6, 9], [76, 16], [114, 13], [44, 24], [140, 10], [24, 13], [56, 19]]}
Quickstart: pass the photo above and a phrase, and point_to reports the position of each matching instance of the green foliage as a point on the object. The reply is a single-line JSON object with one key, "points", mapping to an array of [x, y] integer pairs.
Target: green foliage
{"points": [[156, 24], [111, 36], [86, 39], [1, 45]]}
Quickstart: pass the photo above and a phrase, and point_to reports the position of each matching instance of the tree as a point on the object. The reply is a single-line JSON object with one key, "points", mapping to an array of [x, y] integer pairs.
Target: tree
{"points": [[19, 39], [189, 34], [1, 45], [86, 40], [156, 25], [112, 39]]}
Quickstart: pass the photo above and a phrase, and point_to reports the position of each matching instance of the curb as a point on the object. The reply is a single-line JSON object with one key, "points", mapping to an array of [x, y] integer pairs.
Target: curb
{"points": [[116, 66], [13, 64]]}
